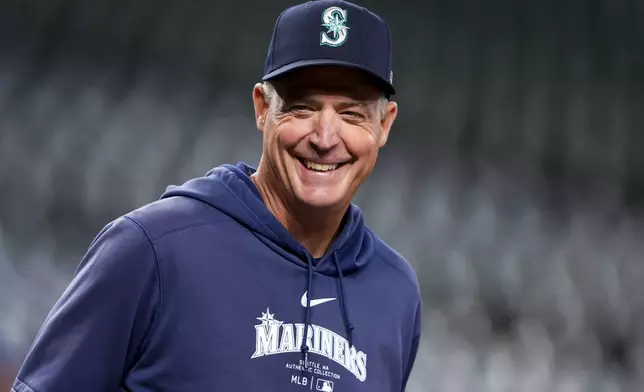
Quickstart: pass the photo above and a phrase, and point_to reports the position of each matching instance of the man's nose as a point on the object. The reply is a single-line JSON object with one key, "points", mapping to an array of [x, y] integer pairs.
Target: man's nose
{"points": [[325, 135]]}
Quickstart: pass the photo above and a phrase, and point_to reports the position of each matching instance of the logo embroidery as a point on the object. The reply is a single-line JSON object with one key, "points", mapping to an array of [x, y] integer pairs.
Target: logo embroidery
{"points": [[315, 302], [334, 19], [274, 337], [324, 385]]}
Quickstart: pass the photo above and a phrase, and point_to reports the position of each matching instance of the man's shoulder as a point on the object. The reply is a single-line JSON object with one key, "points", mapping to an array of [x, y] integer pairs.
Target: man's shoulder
{"points": [[167, 215], [395, 260]]}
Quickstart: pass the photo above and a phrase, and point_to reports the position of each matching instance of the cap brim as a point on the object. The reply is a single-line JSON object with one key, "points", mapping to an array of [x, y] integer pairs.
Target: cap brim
{"points": [[387, 87]]}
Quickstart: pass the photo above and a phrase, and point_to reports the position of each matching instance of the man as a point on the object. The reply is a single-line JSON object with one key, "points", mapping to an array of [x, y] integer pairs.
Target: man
{"points": [[251, 279]]}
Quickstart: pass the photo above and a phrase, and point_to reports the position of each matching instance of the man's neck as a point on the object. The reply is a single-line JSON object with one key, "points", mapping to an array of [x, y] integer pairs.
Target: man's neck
{"points": [[314, 228]]}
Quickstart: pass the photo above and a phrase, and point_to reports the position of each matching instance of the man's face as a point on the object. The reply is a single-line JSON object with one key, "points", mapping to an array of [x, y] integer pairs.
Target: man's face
{"points": [[322, 132]]}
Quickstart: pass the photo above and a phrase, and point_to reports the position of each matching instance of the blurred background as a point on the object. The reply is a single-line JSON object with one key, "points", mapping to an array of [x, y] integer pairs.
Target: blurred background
{"points": [[513, 179]]}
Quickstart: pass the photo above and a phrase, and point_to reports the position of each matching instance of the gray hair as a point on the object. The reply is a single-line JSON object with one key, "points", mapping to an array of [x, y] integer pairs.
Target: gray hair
{"points": [[270, 94]]}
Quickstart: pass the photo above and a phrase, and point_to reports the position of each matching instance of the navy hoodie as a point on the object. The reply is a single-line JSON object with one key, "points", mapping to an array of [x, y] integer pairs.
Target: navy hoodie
{"points": [[204, 290]]}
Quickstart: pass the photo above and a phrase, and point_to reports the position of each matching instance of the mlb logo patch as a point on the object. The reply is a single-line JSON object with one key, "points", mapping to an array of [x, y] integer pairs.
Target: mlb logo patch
{"points": [[324, 385]]}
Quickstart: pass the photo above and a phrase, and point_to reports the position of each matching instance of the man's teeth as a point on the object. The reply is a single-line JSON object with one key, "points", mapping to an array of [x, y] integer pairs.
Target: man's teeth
{"points": [[320, 167]]}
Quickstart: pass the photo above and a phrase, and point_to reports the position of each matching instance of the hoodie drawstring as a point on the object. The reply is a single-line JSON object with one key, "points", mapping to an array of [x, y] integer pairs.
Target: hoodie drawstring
{"points": [[307, 320], [343, 301], [343, 306]]}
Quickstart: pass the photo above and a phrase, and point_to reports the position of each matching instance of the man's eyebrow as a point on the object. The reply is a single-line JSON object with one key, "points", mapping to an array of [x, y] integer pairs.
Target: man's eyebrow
{"points": [[354, 103]]}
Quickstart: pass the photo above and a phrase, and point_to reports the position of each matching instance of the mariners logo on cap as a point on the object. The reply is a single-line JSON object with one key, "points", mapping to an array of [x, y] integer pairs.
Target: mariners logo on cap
{"points": [[334, 19]]}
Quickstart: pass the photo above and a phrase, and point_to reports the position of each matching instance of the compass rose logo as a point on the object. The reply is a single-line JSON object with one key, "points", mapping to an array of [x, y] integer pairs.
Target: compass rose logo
{"points": [[334, 19]]}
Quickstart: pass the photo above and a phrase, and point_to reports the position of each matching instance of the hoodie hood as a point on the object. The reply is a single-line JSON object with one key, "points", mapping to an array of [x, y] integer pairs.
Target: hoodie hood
{"points": [[230, 189]]}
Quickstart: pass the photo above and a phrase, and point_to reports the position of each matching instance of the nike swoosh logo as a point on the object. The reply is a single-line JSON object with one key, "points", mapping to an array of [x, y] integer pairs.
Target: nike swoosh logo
{"points": [[315, 302]]}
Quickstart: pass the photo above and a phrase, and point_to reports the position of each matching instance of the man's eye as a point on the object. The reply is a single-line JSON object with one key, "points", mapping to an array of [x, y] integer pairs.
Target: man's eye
{"points": [[352, 114], [299, 108]]}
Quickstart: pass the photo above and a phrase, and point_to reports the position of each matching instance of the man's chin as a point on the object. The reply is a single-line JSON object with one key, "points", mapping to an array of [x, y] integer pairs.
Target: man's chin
{"points": [[322, 200]]}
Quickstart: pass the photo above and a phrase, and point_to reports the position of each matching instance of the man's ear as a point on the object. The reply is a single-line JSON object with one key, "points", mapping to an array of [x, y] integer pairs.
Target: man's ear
{"points": [[386, 122], [261, 105]]}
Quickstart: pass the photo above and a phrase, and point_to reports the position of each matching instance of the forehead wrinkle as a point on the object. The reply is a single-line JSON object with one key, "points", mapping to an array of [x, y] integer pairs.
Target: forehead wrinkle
{"points": [[348, 96]]}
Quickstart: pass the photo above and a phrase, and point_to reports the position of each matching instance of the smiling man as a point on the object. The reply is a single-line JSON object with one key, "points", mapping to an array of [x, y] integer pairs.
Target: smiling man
{"points": [[255, 279]]}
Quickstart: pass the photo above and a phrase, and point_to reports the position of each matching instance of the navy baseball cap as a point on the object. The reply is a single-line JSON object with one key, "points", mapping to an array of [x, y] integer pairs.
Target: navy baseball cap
{"points": [[331, 32]]}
